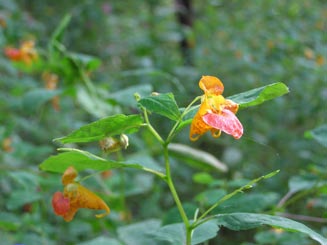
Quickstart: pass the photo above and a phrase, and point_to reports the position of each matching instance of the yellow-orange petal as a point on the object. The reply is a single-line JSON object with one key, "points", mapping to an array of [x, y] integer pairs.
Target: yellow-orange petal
{"points": [[69, 175], [231, 105], [198, 127], [211, 85], [81, 197]]}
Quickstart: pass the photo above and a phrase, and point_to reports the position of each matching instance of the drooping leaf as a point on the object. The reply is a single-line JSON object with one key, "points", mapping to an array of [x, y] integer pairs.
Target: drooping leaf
{"points": [[245, 221], [259, 95], [162, 104], [197, 158], [105, 127], [81, 160]]}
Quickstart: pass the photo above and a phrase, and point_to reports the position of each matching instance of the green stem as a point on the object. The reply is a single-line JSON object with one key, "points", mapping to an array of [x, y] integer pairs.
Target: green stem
{"points": [[152, 130], [203, 218], [176, 197], [187, 109], [168, 177]]}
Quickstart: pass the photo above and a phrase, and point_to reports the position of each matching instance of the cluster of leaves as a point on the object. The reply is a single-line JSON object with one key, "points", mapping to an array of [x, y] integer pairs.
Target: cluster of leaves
{"points": [[141, 54]]}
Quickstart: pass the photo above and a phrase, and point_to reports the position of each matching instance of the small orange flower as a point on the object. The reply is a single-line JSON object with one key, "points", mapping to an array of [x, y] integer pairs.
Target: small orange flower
{"points": [[26, 53], [215, 113], [51, 81], [74, 197], [7, 144]]}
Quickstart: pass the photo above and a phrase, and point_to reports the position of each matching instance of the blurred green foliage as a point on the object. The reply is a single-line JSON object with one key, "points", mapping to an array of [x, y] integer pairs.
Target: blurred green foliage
{"points": [[111, 49]]}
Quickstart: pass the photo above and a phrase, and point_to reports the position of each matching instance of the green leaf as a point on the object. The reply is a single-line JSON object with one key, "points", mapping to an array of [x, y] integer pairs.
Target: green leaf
{"points": [[162, 104], [203, 178], [245, 221], [58, 33], [197, 158], [10, 221], [101, 240], [32, 100], [249, 202], [18, 198], [105, 127], [304, 182], [126, 96], [319, 134], [259, 95], [84, 61], [205, 232], [138, 233], [175, 233], [81, 160], [210, 196], [169, 234]]}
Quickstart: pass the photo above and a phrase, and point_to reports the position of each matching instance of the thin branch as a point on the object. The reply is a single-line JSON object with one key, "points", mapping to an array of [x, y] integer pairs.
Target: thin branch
{"points": [[303, 217]]}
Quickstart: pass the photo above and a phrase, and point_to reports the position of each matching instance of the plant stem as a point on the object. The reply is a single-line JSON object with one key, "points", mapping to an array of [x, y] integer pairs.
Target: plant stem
{"points": [[203, 218], [176, 197], [152, 130], [187, 109]]}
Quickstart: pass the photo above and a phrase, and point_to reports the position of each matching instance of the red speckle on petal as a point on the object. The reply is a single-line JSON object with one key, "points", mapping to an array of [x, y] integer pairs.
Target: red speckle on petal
{"points": [[226, 121], [60, 203]]}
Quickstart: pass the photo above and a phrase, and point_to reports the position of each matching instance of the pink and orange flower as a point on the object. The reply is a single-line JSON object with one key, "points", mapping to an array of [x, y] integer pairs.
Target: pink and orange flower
{"points": [[74, 197], [26, 53], [216, 113]]}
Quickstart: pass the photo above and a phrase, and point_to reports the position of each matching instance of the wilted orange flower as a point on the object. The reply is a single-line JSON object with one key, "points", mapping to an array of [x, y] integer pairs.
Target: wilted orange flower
{"points": [[26, 52], [6, 144], [215, 113], [51, 82], [74, 197]]}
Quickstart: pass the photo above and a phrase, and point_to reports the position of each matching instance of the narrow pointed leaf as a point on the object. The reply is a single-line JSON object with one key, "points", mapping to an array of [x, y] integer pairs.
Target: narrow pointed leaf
{"points": [[105, 127], [259, 95], [245, 221], [162, 104]]}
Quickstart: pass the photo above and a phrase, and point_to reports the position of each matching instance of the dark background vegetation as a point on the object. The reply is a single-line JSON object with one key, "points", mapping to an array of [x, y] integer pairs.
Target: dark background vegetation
{"points": [[166, 46]]}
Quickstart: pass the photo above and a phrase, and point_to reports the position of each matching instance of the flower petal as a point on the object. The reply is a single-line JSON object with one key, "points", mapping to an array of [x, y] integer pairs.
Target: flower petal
{"points": [[226, 121], [198, 127], [69, 175], [211, 85], [81, 197], [60, 203]]}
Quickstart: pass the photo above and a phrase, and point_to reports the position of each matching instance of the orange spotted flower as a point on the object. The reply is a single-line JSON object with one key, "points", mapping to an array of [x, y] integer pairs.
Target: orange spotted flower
{"points": [[215, 113], [26, 52], [74, 197]]}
